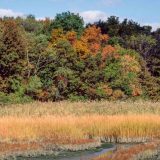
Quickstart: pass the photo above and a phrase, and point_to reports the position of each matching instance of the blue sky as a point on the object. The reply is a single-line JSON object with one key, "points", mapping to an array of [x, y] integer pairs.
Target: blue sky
{"points": [[142, 11]]}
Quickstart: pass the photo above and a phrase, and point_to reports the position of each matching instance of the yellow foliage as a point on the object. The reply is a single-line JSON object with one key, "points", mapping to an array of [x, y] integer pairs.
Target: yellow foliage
{"points": [[81, 48], [118, 94], [56, 35], [130, 64]]}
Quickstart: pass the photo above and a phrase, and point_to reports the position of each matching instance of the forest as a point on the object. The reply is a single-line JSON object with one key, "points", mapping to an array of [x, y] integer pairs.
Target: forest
{"points": [[65, 59]]}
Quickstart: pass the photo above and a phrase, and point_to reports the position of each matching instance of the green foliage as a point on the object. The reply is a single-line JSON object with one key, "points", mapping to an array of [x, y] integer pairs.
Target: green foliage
{"points": [[141, 43], [112, 71], [34, 84], [77, 98], [31, 25], [150, 85], [126, 28], [100, 93], [131, 52], [115, 41], [13, 98], [12, 54], [153, 60], [68, 21], [17, 86]]}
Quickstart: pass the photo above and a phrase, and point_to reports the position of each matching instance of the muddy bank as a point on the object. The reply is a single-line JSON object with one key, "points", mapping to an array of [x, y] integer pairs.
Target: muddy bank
{"points": [[86, 148], [142, 151], [34, 149], [149, 155]]}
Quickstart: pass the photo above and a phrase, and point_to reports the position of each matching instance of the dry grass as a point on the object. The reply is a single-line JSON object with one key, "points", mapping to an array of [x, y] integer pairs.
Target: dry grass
{"points": [[81, 108], [68, 129], [37, 125], [9, 147]]}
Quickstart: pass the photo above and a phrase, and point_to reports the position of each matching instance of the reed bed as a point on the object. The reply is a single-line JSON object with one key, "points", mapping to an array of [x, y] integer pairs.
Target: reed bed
{"points": [[81, 108], [71, 129], [76, 126]]}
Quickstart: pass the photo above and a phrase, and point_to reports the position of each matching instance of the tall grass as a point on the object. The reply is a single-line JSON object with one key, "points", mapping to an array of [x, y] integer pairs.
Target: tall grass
{"points": [[61, 129], [41, 125], [81, 108]]}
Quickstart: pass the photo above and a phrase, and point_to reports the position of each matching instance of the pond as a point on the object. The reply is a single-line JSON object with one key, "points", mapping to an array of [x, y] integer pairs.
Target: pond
{"points": [[78, 155]]}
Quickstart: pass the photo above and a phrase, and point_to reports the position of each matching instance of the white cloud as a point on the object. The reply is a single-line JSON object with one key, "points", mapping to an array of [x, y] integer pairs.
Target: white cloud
{"points": [[40, 18], [155, 26], [9, 13], [111, 2], [93, 16]]}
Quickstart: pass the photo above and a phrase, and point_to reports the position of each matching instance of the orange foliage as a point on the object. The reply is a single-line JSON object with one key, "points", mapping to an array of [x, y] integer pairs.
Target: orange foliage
{"points": [[93, 35], [94, 48], [136, 90], [108, 51], [71, 37], [57, 34], [91, 42], [94, 39]]}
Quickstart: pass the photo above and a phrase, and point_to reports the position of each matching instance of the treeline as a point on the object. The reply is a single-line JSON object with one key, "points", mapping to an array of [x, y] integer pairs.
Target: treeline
{"points": [[62, 59]]}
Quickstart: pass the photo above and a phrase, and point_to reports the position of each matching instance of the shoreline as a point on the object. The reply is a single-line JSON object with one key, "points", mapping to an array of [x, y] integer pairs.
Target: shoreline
{"points": [[39, 149]]}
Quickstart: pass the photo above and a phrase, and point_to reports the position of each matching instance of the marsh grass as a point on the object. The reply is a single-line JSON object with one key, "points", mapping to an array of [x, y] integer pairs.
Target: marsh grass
{"points": [[81, 108], [78, 125], [67, 129]]}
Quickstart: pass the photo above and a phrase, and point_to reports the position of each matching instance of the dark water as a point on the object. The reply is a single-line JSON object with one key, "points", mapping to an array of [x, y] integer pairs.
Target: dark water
{"points": [[78, 155]]}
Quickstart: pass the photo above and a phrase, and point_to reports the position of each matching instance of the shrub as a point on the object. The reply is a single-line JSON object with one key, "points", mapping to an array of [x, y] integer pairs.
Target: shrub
{"points": [[118, 94], [76, 98], [13, 98], [33, 87]]}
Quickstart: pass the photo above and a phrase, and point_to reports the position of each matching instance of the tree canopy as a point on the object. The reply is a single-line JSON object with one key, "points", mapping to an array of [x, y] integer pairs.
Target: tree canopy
{"points": [[61, 59]]}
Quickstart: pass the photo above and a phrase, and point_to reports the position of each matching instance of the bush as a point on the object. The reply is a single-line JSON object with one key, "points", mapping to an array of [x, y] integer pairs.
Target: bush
{"points": [[75, 98], [13, 98], [34, 86], [118, 94]]}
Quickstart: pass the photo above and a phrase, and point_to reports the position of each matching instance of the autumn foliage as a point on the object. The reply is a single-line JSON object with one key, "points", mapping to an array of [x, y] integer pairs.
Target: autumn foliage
{"points": [[59, 60]]}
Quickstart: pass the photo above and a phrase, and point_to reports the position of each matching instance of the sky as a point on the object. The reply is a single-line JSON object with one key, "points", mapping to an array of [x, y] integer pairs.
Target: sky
{"points": [[145, 12]]}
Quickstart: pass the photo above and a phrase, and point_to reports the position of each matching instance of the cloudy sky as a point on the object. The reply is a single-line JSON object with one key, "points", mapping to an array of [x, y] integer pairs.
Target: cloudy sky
{"points": [[143, 11]]}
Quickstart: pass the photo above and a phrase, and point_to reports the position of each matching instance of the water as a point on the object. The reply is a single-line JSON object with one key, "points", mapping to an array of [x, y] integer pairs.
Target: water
{"points": [[78, 155]]}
